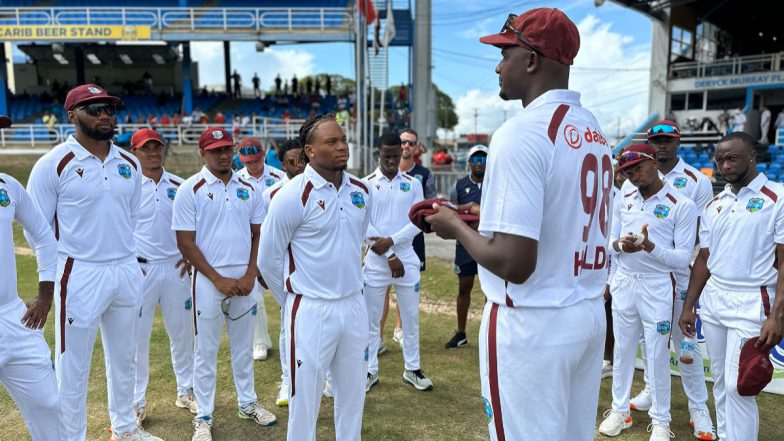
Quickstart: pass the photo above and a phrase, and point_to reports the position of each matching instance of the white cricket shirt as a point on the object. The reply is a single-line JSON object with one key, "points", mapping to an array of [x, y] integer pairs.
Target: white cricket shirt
{"points": [[311, 239], [269, 177], [16, 204], [549, 178], [154, 237], [92, 206], [741, 232], [672, 227], [392, 200], [220, 214]]}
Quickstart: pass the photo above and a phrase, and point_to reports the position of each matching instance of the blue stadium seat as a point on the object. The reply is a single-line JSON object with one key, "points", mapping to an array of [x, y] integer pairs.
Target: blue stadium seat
{"points": [[704, 157], [762, 167]]}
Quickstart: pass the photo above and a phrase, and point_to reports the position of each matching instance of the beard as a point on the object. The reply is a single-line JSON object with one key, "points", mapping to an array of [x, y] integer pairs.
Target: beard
{"points": [[96, 133]]}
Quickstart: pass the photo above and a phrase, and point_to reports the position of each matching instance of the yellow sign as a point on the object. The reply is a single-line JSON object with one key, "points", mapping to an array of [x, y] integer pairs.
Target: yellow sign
{"points": [[73, 32]]}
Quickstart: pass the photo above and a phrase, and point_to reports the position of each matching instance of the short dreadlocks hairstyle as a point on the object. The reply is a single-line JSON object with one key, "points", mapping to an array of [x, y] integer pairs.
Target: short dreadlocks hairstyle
{"points": [[310, 125], [289, 144]]}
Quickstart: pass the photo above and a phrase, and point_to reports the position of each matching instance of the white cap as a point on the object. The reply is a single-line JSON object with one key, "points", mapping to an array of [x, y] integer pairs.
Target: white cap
{"points": [[477, 149]]}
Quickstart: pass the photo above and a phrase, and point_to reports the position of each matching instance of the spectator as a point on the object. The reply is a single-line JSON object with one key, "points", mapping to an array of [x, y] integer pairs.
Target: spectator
{"points": [[294, 84], [764, 125], [318, 86], [220, 118], [49, 119], [256, 85], [197, 115], [272, 157], [148, 85], [342, 116], [442, 157], [308, 86], [176, 119], [277, 84], [286, 87], [328, 86], [165, 120], [724, 121], [237, 80], [244, 120], [236, 127]]}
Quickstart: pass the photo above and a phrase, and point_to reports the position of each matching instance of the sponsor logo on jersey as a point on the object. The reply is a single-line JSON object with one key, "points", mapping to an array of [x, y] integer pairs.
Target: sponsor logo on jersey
{"points": [[661, 211], [171, 192], [299, 363], [679, 182], [755, 204], [663, 327], [572, 136], [357, 199], [5, 200], [80, 172], [125, 170], [243, 194], [405, 186], [321, 204], [488, 411], [209, 195]]}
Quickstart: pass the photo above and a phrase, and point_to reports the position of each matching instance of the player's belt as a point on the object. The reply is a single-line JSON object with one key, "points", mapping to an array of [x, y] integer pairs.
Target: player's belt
{"points": [[142, 260]]}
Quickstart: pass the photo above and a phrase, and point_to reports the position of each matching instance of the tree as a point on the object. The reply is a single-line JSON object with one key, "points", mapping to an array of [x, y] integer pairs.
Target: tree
{"points": [[445, 110]]}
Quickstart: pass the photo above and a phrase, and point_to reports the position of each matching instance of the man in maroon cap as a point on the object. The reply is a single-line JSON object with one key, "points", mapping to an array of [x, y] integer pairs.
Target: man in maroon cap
{"points": [[653, 233], [217, 217], [737, 277], [166, 281], [262, 176], [88, 190], [548, 181]]}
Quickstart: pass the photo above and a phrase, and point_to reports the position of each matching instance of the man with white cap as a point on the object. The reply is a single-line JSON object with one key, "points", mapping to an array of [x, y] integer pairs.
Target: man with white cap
{"points": [[166, 281]]}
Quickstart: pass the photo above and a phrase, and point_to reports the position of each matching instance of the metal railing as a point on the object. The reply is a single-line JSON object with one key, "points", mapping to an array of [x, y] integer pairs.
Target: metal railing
{"points": [[730, 66]]}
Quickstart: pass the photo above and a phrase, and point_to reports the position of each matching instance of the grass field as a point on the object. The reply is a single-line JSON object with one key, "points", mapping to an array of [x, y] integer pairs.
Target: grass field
{"points": [[393, 410]]}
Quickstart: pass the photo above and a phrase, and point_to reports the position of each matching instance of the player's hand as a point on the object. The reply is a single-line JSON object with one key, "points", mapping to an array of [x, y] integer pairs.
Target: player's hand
{"points": [[184, 266], [607, 295], [771, 334], [688, 322], [39, 307], [381, 244], [227, 286], [444, 222], [647, 245], [471, 207], [396, 266], [626, 243], [246, 284]]}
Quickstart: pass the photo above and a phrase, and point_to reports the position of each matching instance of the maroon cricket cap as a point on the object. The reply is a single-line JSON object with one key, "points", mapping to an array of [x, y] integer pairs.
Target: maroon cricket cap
{"points": [[87, 93], [423, 209], [636, 153], [143, 135], [548, 30], [666, 128], [5, 122], [754, 369], [214, 138]]}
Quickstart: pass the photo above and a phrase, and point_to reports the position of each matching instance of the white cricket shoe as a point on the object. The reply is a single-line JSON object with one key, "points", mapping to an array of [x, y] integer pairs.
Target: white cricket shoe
{"points": [[283, 395], [137, 435], [381, 347], [417, 379], [642, 402], [372, 380], [328, 389], [615, 422], [260, 352], [260, 415], [187, 402], [202, 429], [397, 336], [703, 425], [607, 369], [660, 432]]}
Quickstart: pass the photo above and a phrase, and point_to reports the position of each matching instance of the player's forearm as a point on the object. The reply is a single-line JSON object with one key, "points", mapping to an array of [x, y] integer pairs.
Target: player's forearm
{"points": [[510, 257], [678, 257], [194, 255], [254, 251], [699, 277]]}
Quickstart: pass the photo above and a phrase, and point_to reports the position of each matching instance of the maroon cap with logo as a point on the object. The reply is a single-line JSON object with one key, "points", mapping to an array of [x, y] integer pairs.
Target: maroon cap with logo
{"points": [[87, 93], [548, 30], [5, 122], [754, 369], [634, 154], [215, 138], [143, 135]]}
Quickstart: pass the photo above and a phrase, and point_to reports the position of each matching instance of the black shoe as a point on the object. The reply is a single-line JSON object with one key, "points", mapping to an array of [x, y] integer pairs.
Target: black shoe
{"points": [[458, 341]]}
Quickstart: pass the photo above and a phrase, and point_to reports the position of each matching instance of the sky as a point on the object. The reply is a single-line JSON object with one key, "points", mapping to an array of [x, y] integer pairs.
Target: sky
{"points": [[611, 70]]}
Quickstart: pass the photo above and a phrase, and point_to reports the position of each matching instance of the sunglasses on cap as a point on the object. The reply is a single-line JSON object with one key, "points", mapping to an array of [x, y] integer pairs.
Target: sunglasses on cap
{"points": [[509, 26], [225, 309], [663, 129], [405, 141], [249, 150], [97, 108], [478, 159], [633, 156]]}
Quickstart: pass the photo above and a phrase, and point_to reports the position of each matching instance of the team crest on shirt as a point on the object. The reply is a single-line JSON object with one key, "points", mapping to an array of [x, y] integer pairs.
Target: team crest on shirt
{"points": [[679, 182], [357, 199], [243, 194], [269, 182], [661, 211], [663, 327], [125, 170], [171, 192], [189, 304], [405, 186], [4, 199], [755, 204], [488, 411]]}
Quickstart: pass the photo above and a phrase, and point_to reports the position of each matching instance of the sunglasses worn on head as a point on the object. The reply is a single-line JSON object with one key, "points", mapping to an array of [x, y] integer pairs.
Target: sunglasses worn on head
{"points": [[509, 26], [633, 156], [225, 309], [249, 150], [663, 128], [96, 109], [478, 160]]}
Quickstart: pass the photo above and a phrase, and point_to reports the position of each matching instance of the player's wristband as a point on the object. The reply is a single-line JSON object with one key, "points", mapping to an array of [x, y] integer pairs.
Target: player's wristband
{"points": [[392, 257]]}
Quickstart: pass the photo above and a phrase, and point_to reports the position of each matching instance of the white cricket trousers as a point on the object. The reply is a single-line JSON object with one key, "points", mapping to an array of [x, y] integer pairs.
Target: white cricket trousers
{"points": [[642, 304], [209, 320], [326, 335], [408, 307], [283, 349], [163, 286], [261, 334], [729, 318], [87, 296], [692, 375], [540, 370], [27, 373]]}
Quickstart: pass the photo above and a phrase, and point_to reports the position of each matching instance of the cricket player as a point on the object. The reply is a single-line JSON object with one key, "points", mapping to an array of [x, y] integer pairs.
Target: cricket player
{"points": [[262, 176], [541, 245], [314, 231], [391, 260], [737, 278], [643, 284], [217, 217], [291, 157], [166, 281], [689, 182], [89, 192], [25, 359]]}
